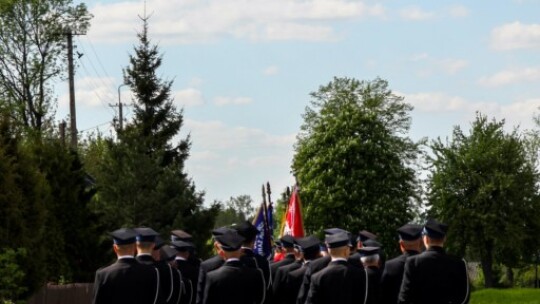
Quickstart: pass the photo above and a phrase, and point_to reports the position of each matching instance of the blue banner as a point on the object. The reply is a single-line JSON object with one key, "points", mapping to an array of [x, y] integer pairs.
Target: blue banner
{"points": [[262, 241]]}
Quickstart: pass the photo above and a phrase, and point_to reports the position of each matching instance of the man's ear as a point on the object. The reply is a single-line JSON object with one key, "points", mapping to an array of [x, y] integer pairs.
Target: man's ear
{"points": [[116, 248]]}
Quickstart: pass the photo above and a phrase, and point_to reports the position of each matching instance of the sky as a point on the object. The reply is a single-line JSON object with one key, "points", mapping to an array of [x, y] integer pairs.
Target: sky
{"points": [[243, 71]]}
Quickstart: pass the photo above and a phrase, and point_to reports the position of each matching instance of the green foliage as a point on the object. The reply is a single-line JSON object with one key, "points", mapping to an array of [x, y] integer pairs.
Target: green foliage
{"points": [[32, 52], [235, 210], [140, 175], [354, 161], [484, 185], [506, 296], [11, 274]]}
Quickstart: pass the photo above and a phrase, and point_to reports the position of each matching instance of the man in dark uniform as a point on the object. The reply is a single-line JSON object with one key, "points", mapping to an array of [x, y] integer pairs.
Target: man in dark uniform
{"points": [[339, 282], [287, 242], [363, 236], [279, 285], [250, 258], [370, 259], [310, 252], [433, 276], [316, 266], [410, 243], [210, 264], [188, 270], [233, 282], [126, 281], [167, 255], [147, 255]]}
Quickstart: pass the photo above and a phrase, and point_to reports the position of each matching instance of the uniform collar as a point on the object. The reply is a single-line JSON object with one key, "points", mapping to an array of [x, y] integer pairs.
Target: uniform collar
{"points": [[125, 257]]}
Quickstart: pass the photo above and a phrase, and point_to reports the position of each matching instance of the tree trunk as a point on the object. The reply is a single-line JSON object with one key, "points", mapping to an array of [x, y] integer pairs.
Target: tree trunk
{"points": [[510, 276], [486, 260]]}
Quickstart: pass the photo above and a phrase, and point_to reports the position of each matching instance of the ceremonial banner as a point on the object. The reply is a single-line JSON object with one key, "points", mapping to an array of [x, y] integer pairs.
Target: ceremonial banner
{"points": [[294, 225], [263, 244]]}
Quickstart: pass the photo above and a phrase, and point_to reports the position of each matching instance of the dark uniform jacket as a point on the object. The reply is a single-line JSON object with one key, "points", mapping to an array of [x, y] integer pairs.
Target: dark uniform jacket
{"points": [[189, 276], [207, 265], [167, 286], [434, 277], [288, 259], [293, 283], [339, 282], [280, 286], [392, 276], [126, 281], [233, 283], [314, 267], [373, 284], [255, 260]]}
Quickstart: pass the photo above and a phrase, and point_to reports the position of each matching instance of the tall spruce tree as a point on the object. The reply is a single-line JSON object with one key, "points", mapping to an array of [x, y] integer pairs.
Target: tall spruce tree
{"points": [[142, 179]]}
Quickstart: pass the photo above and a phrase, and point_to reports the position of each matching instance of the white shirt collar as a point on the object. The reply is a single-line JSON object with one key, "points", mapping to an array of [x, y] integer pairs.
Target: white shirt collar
{"points": [[180, 258], [120, 257], [233, 260], [339, 259], [144, 254]]}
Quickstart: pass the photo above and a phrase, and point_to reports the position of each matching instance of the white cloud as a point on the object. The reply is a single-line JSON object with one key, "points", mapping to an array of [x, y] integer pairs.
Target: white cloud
{"points": [[458, 11], [511, 76], [93, 92], [516, 35], [189, 97], [519, 112], [230, 160], [416, 14], [224, 101], [452, 66], [271, 70], [419, 57], [181, 21]]}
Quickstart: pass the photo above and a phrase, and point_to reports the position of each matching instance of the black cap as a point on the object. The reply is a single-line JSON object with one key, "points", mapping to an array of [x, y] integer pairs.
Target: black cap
{"points": [[181, 235], [182, 245], [124, 236], [230, 241], [338, 240], [323, 247], [247, 230], [331, 231], [410, 232], [159, 242], [367, 251], [309, 244], [435, 229], [372, 243], [221, 230], [278, 244], [168, 253], [287, 241], [365, 235], [145, 234]]}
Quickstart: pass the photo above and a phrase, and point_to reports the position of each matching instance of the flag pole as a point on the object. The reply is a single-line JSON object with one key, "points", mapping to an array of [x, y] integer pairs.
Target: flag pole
{"points": [[265, 215]]}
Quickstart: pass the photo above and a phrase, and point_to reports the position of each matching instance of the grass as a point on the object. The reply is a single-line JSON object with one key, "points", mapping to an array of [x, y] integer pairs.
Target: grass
{"points": [[506, 296]]}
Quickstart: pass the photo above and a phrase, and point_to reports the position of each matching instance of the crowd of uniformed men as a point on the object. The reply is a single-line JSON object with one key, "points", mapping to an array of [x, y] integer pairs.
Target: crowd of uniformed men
{"points": [[345, 268]]}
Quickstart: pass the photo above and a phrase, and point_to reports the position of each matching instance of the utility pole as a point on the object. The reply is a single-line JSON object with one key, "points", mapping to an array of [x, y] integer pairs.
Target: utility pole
{"points": [[72, 111], [120, 109]]}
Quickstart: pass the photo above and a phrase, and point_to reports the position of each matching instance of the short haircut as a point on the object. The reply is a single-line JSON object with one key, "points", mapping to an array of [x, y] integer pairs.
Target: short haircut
{"points": [[374, 258]]}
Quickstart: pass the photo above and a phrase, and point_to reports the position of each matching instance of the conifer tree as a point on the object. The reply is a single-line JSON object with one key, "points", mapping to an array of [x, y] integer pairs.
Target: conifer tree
{"points": [[142, 179]]}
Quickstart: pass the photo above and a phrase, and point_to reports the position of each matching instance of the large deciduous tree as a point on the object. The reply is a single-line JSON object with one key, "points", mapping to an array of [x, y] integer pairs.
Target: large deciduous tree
{"points": [[32, 54], [485, 186], [354, 161], [141, 175]]}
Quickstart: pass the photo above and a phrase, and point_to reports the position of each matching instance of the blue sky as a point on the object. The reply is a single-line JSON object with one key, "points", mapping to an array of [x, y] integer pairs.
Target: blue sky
{"points": [[243, 71]]}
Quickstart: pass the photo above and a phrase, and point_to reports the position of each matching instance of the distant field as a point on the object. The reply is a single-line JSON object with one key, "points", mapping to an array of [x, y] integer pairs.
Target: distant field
{"points": [[506, 296]]}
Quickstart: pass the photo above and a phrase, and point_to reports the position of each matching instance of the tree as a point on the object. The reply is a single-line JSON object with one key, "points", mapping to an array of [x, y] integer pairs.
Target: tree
{"points": [[32, 34], [236, 210], [485, 186], [353, 161], [141, 178]]}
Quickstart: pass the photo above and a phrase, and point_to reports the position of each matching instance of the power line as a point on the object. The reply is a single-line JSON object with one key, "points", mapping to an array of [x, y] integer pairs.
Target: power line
{"points": [[95, 87]]}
